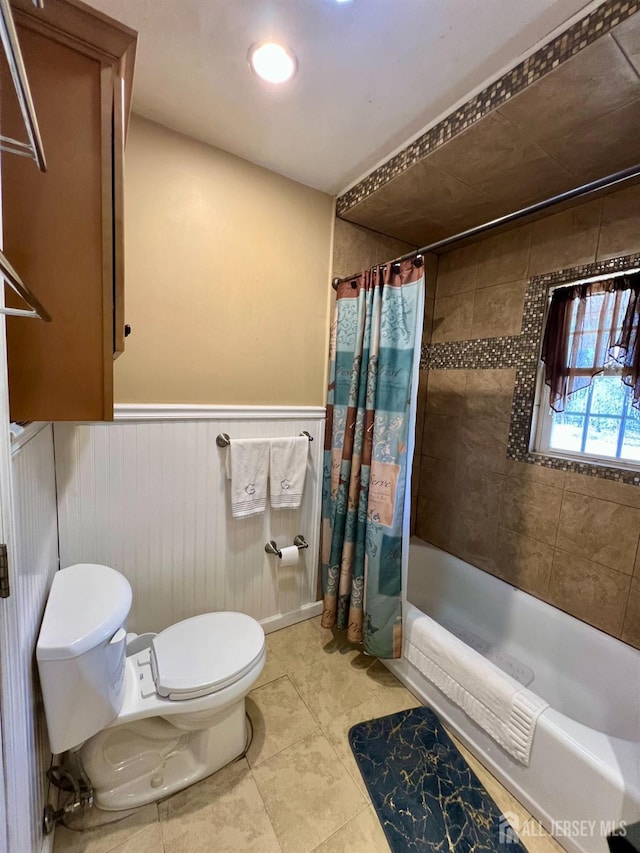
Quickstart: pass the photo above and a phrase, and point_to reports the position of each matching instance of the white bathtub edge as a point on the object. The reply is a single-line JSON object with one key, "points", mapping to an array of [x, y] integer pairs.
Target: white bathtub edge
{"points": [[588, 755], [420, 686]]}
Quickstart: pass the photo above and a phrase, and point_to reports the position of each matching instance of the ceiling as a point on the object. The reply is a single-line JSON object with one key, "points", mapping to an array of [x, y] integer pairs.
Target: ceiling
{"points": [[578, 123], [372, 73]]}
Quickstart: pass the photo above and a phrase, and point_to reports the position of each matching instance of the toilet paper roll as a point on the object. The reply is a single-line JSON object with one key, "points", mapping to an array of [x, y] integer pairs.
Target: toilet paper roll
{"points": [[289, 556]]}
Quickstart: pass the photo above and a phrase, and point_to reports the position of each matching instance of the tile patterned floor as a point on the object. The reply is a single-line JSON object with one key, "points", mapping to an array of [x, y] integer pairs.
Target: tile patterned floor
{"points": [[298, 789]]}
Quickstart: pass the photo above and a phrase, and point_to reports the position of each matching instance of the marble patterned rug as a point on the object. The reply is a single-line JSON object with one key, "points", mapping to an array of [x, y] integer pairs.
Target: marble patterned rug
{"points": [[424, 792]]}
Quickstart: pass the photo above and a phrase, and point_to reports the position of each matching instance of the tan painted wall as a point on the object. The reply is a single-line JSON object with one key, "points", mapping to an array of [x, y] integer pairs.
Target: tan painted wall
{"points": [[227, 278]]}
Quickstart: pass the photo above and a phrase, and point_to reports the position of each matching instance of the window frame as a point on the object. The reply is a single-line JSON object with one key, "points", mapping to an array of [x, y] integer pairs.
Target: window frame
{"points": [[541, 431], [542, 414]]}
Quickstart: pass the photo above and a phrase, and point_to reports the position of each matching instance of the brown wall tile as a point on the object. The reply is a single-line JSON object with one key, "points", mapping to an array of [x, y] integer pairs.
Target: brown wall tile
{"points": [[529, 182], [412, 521], [504, 257], [591, 592], [497, 159], [450, 202], [475, 539], [436, 501], [606, 490], [497, 310], [415, 478], [531, 509], [421, 407], [631, 627], [524, 562], [593, 83], [356, 248], [620, 232], [452, 318], [566, 239], [627, 36], [440, 436], [489, 393], [601, 531], [422, 204], [437, 478], [457, 271], [536, 473], [431, 265], [433, 522], [446, 391], [417, 455], [477, 489], [429, 307], [486, 439], [594, 151]]}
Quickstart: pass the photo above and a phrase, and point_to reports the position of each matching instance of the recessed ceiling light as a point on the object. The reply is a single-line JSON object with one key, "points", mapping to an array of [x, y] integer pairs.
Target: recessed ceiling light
{"points": [[273, 62]]}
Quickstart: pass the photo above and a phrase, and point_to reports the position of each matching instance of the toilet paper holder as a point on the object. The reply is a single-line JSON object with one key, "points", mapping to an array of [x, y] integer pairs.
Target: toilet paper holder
{"points": [[272, 547]]}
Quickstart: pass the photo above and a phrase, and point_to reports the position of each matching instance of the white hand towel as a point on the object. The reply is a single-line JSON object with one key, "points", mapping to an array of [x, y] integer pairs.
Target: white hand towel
{"points": [[288, 469], [248, 469], [506, 710]]}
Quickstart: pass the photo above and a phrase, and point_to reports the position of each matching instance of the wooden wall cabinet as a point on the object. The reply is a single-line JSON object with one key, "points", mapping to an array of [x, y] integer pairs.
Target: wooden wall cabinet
{"points": [[63, 229]]}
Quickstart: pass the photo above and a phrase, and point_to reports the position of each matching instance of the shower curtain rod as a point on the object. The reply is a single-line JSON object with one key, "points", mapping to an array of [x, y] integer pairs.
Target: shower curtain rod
{"points": [[585, 189]]}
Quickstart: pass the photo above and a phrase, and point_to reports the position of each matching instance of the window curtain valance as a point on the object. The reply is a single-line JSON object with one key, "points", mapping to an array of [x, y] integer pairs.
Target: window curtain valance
{"points": [[588, 326]]}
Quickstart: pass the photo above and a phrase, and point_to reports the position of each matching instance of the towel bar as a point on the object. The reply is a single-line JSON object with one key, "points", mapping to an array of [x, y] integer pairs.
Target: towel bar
{"points": [[14, 281], [9, 37], [223, 440]]}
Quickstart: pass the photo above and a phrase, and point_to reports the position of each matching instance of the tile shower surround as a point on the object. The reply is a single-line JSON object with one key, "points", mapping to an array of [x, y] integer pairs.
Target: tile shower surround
{"points": [[566, 532], [521, 351], [599, 22]]}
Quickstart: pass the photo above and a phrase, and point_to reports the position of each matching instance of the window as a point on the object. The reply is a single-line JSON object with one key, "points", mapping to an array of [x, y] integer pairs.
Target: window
{"points": [[588, 386], [598, 422]]}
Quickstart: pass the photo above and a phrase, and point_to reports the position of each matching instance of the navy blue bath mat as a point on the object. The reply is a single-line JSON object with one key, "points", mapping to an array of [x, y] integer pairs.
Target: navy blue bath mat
{"points": [[426, 795]]}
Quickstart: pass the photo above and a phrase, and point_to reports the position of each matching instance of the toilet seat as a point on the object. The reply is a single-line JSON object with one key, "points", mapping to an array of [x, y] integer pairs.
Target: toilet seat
{"points": [[204, 654]]}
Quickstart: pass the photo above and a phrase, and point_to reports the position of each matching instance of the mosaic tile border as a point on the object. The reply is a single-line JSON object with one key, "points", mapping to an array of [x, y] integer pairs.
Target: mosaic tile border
{"points": [[484, 354], [522, 352], [563, 47]]}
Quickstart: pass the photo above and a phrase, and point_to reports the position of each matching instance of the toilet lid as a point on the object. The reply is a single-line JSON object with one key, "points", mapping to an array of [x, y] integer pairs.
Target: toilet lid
{"points": [[205, 654]]}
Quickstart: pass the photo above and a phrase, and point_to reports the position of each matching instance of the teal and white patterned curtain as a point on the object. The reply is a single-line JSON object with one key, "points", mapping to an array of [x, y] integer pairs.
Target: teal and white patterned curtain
{"points": [[373, 343]]}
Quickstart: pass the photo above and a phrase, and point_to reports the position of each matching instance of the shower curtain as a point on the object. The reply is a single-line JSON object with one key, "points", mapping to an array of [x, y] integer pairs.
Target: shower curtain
{"points": [[373, 345]]}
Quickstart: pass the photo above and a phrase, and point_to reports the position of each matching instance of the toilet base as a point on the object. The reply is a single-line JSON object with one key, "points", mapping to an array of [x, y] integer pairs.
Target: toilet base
{"points": [[142, 762]]}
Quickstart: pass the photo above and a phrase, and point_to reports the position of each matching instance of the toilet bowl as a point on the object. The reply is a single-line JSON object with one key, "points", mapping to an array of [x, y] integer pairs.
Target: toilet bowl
{"points": [[153, 720]]}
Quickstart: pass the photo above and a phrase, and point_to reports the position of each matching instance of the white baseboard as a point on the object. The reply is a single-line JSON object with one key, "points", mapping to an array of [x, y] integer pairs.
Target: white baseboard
{"points": [[284, 620]]}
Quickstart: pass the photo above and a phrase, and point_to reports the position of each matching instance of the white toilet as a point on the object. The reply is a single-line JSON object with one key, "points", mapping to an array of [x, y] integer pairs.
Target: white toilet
{"points": [[152, 716]]}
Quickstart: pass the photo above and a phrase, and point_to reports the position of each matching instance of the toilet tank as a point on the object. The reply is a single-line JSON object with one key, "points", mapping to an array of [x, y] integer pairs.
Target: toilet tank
{"points": [[81, 652]]}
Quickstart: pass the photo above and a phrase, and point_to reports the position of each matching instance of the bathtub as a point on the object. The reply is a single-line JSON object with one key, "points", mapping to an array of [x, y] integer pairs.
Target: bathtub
{"points": [[583, 778]]}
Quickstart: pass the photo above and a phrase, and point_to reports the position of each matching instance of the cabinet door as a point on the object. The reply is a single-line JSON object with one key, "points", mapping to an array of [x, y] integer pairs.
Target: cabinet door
{"points": [[58, 233]]}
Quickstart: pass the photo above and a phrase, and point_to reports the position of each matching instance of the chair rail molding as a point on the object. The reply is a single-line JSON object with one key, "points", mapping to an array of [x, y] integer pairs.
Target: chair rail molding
{"points": [[187, 411]]}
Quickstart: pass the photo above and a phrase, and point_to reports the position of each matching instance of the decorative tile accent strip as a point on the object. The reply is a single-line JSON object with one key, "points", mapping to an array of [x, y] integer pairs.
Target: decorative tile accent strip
{"points": [[522, 352], [583, 33], [483, 354]]}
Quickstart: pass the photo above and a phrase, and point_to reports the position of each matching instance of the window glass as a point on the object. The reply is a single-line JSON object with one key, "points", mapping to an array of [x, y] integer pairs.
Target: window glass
{"points": [[598, 422]]}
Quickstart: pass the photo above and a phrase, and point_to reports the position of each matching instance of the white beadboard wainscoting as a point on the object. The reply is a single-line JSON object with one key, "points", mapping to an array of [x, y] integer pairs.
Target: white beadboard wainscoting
{"points": [[148, 496], [36, 560]]}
